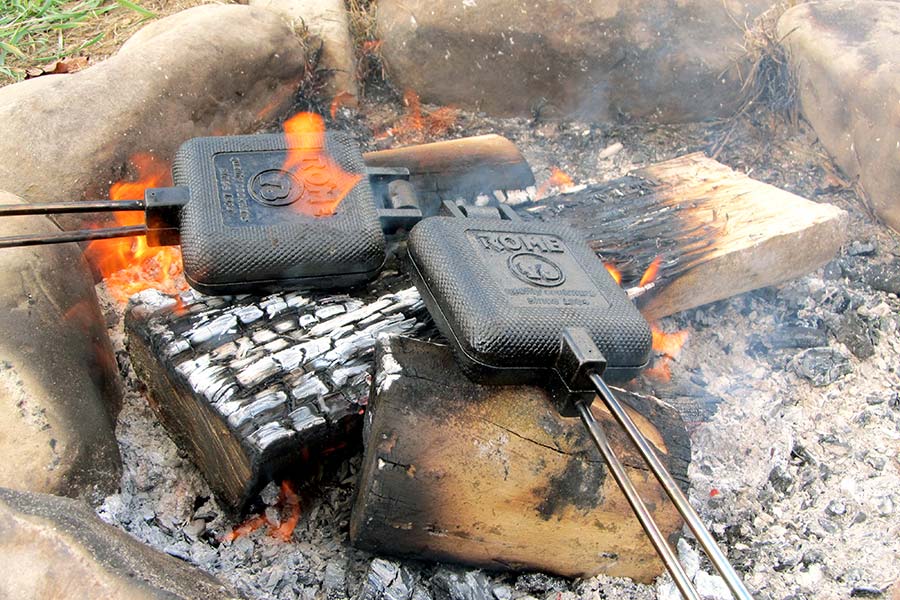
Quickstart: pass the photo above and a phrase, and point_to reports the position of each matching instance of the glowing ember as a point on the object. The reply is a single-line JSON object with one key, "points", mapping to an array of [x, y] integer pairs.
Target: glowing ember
{"points": [[651, 272], [289, 504], [246, 528], [559, 180], [324, 182], [616, 274], [668, 344], [129, 265]]}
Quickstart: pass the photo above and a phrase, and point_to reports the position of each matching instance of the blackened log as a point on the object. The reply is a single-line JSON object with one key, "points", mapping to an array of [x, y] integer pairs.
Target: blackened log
{"points": [[253, 387], [493, 477]]}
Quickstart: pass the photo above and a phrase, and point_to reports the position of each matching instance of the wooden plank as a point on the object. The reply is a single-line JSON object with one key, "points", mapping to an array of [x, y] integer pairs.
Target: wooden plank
{"points": [[464, 168], [718, 232], [491, 476]]}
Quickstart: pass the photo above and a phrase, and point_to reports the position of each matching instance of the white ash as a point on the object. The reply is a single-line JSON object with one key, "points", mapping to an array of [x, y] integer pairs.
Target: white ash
{"points": [[782, 473]]}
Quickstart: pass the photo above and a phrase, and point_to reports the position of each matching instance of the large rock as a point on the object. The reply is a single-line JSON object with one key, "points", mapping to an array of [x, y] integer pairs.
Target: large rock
{"points": [[214, 69], [327, 20], [845, 57], [592, 59], [57, 548], [59, 387]]}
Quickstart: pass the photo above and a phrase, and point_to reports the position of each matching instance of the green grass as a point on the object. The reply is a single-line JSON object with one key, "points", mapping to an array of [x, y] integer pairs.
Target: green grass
{"points": [[34, 31]]}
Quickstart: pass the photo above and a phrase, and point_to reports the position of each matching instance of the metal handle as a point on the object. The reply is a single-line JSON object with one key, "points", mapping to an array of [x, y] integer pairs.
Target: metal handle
{"points": [[62, 237], [637, 505], [50, 208], [704, 538]]}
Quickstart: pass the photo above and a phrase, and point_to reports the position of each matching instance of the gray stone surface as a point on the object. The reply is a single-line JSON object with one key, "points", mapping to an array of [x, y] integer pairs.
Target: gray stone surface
{"points": [[327, 20], [845, 57], [56, 547], [59, 385], [213, 69], [673, 61]]}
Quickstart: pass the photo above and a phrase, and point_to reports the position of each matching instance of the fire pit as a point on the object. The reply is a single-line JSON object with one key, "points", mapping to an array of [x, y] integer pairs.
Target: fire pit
{"points": [[249, 451]]}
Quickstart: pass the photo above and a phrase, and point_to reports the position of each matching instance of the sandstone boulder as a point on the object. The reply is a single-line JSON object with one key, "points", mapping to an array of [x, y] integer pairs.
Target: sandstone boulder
{"points": [[846, 57], [213, 69], [327, 20], [593, 59], [59, 387], [55, 547]]}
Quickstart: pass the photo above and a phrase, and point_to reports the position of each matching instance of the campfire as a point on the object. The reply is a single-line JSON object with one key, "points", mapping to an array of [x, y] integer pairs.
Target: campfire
{"points": [[356, 343]]}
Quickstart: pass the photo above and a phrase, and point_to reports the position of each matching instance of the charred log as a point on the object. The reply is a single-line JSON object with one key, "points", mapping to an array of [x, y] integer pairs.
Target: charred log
{"points": [[251, 387], [493, 477]]}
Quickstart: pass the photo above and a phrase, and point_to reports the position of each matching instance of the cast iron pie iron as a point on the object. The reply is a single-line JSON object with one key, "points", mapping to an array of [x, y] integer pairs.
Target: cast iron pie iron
{"points": [[529, 302]]}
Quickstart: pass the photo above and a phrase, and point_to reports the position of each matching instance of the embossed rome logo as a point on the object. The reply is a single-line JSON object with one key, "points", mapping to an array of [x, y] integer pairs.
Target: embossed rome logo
{"points": [[535, 269], [275, 187]]}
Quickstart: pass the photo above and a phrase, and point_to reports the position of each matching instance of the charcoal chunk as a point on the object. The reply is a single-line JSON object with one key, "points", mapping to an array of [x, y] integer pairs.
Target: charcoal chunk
{"points": [[854, 333], [821, 366], [885, 278], [456, 585]]}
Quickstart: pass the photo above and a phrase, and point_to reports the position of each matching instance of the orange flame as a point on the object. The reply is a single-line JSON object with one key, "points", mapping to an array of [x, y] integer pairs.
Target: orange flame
{"points": [[660, 370], [651, 273], [129, 265], [291, 504], [418, 123], [246, 528], [414, 110], [559, 180], [668, 344], [288, 502], [616, 274], [324, 182]]}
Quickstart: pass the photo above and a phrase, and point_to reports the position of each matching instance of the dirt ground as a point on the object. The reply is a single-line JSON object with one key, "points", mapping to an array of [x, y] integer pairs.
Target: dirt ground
{"points": [[115, 26]]}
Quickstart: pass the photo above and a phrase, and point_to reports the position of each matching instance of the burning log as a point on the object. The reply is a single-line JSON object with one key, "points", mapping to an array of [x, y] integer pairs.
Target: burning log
{"points": [[492, 477], [251, 387], [247, 385], [718, 232]]}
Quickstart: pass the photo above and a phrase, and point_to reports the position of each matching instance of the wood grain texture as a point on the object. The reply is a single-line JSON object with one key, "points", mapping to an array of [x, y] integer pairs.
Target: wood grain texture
{"points": [[718, 232], [493, 477]]}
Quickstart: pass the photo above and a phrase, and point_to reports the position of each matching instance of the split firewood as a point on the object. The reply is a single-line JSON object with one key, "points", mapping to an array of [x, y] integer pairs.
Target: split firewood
{"points": [[718, 232], [491, 476], [249, 386], [252, 388]]}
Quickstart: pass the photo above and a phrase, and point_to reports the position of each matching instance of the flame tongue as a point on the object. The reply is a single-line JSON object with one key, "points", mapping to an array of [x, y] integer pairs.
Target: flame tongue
{"points": [[324, 182], [129, 265]]}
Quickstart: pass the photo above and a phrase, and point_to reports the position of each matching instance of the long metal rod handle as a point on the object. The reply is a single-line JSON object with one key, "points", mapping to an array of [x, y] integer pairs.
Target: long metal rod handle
{"points": [[54, 208], [682, 581], [691, 518], [62, 237]]}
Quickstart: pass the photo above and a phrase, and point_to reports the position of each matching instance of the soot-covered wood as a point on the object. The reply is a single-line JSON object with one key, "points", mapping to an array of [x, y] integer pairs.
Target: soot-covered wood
{"points": [[253, 388], [491, 476]]}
